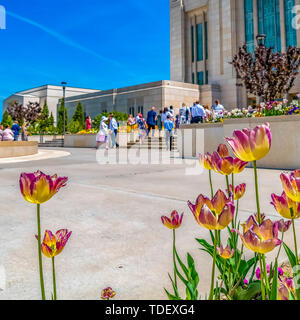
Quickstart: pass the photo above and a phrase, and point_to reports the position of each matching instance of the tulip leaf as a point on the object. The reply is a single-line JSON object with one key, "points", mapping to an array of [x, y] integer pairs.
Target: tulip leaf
{"points": [[274, 289], [171, 297], [290, 255], [252, 291], [175, 288]]}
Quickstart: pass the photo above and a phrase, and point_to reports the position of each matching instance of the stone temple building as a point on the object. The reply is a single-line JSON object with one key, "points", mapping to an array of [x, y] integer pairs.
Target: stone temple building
{"points": [[204, 36]]}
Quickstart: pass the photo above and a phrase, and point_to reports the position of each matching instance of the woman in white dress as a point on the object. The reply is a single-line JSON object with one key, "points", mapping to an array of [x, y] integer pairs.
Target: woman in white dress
{"points": [[103, 133]]}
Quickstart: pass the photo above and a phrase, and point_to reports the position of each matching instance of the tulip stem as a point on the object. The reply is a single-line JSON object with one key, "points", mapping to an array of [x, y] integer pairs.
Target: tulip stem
{"points": [[263, 293], [257, 192], [40, 252], [212, 286], [54, 279], [228, 186], [295, 241], [174, 261], [282, 236], [211, 184]]}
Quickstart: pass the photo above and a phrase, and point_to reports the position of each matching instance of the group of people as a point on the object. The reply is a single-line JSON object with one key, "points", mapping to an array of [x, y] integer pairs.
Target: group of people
{"points": [[198, 113], [12, 133], [164, 120], [108, 131]]}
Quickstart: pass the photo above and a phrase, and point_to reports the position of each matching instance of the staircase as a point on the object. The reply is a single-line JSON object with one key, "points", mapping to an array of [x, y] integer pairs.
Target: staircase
{"points": [[55, 143], [154, 143]]}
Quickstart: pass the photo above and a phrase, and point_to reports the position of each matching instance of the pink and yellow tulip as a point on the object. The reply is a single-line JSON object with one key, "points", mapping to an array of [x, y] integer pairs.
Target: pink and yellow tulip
{"points": [[284, 226], [228, 165], [107, 293], [251, 145], [215, 214], [223, 151], [291, 185], [206, 161], [239, 191], [52, 244], [226, 253], [261, 238], [38, 187], [174, 222], [285, 206]]}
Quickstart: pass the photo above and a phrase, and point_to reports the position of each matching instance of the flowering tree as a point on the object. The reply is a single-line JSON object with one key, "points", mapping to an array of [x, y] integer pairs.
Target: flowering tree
{"points": [[267, 74], [29, 113]]}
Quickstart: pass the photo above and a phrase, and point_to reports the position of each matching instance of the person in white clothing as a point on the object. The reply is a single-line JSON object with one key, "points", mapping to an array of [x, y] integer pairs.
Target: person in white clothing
{"points": [[103, 133]]}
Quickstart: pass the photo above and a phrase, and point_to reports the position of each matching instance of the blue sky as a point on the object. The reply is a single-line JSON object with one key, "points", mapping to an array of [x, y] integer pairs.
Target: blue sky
{"points": [[92, 44]]}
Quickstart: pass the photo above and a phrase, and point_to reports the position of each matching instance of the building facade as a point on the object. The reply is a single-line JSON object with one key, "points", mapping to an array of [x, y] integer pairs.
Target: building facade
{"points": [[49, 93], [206, 34]]}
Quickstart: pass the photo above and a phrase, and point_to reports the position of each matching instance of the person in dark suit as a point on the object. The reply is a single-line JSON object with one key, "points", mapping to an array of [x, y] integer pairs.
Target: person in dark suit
{"points": [[151, 121]]}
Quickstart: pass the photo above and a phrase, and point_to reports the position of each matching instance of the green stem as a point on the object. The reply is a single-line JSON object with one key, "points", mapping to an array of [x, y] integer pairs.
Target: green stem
{"points": [[54, 279], [174, 261], [236, 213], [227, 183], [267, 285], [263, 292], [238, 265], [257, 192], [40, 253], [212, 286], [295, 242], [282, 236], [211, 185]]}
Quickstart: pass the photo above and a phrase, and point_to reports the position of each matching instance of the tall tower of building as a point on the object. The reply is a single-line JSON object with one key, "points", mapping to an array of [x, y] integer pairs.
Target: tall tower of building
{"points": [[205, 35]]}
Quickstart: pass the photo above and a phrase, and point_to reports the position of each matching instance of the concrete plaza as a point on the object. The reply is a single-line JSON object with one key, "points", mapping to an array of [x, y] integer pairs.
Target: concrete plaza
{"points": [[114, 213]]}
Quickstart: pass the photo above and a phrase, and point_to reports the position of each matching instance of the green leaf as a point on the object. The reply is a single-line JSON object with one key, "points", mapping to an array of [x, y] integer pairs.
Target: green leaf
{"points": [[171, 297], [290, 255], [250, 293], [274, 289], [174, 287], [183, 267]]}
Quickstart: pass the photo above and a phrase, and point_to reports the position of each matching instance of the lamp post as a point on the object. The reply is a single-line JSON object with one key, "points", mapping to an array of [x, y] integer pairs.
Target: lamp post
{"points": [[261, 40], [64, 97]]}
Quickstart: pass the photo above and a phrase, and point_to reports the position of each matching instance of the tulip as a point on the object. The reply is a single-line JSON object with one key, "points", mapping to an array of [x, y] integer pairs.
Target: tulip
{"points": [[239, 191], [223, 151], [52, 244], [226, 253], [213, 214], [38, 188], [173, 223], [261, 238], [205, 161], [284, 226], [286, 207], [283, 293], [107, 293], [228, 165], [291, 185], [251, 145]]}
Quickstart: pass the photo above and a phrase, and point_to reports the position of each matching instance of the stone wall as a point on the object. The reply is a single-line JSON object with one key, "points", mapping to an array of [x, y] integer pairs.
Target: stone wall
{"points": [[9, 149], [284, 153]]}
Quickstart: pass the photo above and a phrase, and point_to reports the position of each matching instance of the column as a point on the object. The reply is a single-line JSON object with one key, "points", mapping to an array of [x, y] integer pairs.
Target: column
{"points": [[282, 27], [255, 20], [204, 48], [221, 37], [297, 3], [194, 67]]}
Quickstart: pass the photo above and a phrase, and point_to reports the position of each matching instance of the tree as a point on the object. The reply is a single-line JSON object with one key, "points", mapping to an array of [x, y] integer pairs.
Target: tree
{"points": [[29, 113], [51, 120], [79, 116], [267, 74], [6, 119], [60, 122], [44, 118]]}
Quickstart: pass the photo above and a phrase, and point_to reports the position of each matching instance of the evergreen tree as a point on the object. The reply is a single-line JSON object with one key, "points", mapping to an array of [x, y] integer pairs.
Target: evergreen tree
{"points": [[51, 120], [6, 119], [44, 118], [79, 115], [60, 123]]}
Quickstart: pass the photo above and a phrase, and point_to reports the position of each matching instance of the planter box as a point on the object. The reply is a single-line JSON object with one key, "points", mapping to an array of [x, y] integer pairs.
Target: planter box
{"points": [[9, 149], [89, 140], [44, 138], [285, 151]]}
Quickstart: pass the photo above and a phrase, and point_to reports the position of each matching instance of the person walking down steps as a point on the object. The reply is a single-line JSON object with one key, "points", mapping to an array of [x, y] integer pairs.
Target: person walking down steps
{"points": [[169, 126]]}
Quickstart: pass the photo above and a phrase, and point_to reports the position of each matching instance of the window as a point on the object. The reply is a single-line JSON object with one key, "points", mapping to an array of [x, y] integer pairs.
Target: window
{"points": [[193, 77], [201, 78], [269, 22], [249, 25], [290, 32], [131, 111], [193, 44], [206, 82], [200, 42], [141, 109]]}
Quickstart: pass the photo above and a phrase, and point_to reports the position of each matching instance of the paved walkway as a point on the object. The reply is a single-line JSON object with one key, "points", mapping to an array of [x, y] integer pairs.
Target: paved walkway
{"points": [[114, 212]]}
